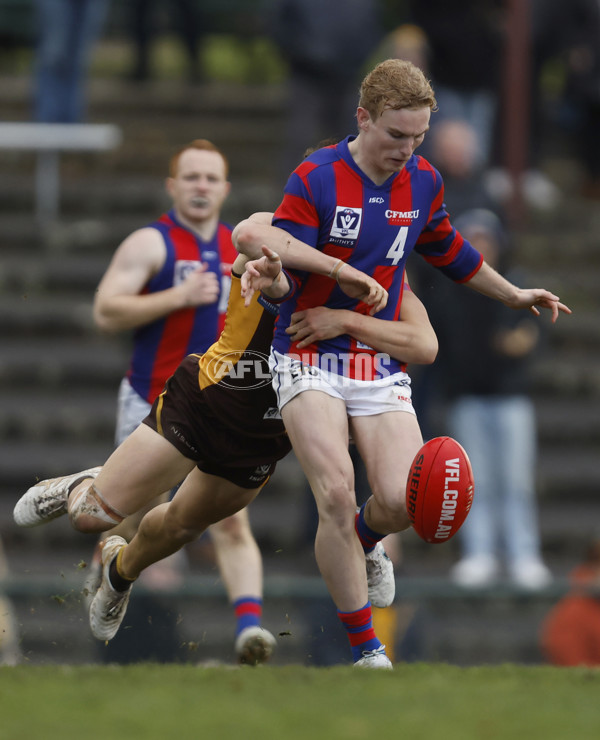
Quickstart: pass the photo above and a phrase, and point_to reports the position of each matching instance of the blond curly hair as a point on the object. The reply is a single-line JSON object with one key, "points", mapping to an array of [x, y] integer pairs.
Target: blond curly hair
{"points": [[395, 84]]}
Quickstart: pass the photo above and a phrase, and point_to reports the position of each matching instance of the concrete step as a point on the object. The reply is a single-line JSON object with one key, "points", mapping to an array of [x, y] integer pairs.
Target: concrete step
{"points": [[63, 366], [580, 328], [120, 99], [22, 463], [95, 194], [47, 276], [98, 213], [77, 234], [45, 315], [569, 474], [572, 374], [83, 414], [563, 238], [245, 121], [569, 422]]}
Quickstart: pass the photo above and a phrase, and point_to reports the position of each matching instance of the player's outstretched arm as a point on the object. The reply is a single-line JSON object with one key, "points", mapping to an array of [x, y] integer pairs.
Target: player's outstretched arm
{"points": [[265, 275], [489, 282], [250, 235], [412, 339]]}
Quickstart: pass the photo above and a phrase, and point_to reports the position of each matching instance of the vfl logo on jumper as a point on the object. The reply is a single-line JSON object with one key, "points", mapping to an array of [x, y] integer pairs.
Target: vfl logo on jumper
{"points": [[183, 268], [346, 225], [449, 499], [243, 371]]}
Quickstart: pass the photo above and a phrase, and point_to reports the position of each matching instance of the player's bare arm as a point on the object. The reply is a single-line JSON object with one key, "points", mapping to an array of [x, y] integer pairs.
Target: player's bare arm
{"points": [[412, 339], [353, 282], [489, 282], [250, 235], [118, 305]]}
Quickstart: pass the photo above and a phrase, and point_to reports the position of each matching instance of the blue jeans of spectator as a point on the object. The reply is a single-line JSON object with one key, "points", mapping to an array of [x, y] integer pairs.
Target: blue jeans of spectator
{"points": [[67, 30], [500, 437]]}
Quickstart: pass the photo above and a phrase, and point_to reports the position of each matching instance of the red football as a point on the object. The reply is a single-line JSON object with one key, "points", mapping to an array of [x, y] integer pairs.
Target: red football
{"points": [[439, 490]]}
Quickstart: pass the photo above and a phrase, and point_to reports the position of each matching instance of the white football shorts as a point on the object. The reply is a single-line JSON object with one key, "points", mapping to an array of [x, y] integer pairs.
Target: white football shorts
{"points": [[132, 409], [362, 397]]}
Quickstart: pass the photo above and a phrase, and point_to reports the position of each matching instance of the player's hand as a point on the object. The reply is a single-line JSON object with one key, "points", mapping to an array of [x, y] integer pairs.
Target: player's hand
{"points": [[200, 287], [315, 324], [357, 284], [260, 274], [536, 298]]}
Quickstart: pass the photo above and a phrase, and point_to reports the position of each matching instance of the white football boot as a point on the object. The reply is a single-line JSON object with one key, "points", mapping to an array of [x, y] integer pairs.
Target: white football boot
{"points": [[254, 645], [375, 659], [93, 578], [108, 606], [380, 577], [48, 499]]}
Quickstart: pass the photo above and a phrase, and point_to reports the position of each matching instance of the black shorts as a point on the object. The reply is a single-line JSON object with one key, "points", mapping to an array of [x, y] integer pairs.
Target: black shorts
{"points": [[251, 477], [213, 435]]}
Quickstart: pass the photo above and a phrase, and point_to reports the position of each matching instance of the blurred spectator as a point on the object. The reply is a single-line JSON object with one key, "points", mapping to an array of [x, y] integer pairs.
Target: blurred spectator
{"points": [[408, 42], [326, 45], [455, 151], [583, 91], [565, 52], [66, 33], [465, 41], [569, 33], [483, 371], [481, 378], [493, 416], [146, 20], [570, 634]]}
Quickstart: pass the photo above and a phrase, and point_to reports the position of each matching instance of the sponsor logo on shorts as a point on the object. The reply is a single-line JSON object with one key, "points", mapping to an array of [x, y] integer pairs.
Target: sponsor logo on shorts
{"points": [[181, 437], [242, 370], [272, 413], [260, 473], [299, 371]]}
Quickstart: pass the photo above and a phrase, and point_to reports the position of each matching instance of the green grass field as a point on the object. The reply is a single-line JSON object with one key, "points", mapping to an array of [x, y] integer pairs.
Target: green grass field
{"points": [[287, 703]]}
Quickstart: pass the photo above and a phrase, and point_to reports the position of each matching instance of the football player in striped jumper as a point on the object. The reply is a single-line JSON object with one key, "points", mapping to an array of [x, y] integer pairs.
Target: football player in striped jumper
{"points": [[367, 201], [215, 425], [169, 283]]}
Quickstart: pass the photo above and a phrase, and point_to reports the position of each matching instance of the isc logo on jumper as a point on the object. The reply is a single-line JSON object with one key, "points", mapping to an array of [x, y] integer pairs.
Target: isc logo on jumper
{"points": [[346, 224]]}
